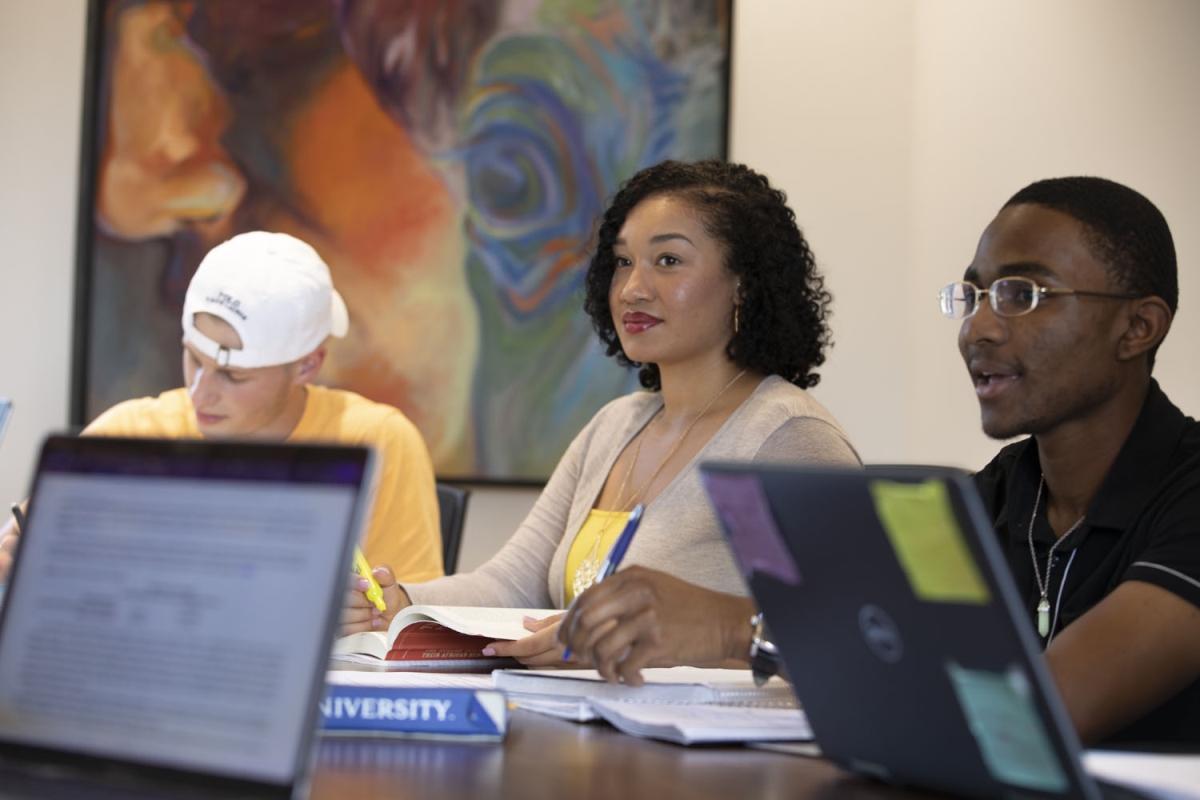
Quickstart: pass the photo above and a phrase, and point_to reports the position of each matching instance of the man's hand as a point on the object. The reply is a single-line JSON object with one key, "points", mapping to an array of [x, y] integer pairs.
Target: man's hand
{"points": [[639, 618], [360, 614]]}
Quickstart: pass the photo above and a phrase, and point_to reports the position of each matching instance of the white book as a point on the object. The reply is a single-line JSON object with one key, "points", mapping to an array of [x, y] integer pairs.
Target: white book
{"points": [[662, 685], [705, 723]]}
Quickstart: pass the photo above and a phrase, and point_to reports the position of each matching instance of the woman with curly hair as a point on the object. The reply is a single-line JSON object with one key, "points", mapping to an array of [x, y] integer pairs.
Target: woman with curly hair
{"points": [[702, 280]]}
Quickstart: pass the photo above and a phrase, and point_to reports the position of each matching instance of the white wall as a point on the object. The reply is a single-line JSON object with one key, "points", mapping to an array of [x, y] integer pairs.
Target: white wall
{"points": [[41, 97], [897, 129]]}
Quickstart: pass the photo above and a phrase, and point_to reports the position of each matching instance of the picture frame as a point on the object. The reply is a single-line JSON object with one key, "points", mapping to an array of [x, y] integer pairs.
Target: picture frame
{"points": [[449, 160]]}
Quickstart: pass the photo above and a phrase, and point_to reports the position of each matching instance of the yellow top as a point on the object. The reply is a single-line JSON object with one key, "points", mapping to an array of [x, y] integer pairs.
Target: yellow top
{"points": [[403, 531], [603, 525]]}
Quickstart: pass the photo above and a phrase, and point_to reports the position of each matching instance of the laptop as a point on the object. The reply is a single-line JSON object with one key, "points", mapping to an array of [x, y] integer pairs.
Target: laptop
{"points": [[169, 615], [902, 632], [5, 414]]}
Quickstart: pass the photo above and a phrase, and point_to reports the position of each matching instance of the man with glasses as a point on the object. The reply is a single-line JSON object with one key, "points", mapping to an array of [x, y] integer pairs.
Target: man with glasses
{"points": [[1072, 289]]}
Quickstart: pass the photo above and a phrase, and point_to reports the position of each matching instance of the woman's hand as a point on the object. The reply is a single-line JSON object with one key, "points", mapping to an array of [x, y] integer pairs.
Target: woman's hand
{"points": [[360, 614], [542, 649], [8, 546], [639, 618]]}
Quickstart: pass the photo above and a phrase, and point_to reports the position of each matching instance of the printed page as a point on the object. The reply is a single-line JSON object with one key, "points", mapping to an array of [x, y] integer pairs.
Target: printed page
{"points": [[494, 623], [170, 620]]}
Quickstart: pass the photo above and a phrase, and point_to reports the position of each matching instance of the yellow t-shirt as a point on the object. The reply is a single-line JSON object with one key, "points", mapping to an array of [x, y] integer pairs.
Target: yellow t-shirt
{"points": [[403, 531], [603, 525]]}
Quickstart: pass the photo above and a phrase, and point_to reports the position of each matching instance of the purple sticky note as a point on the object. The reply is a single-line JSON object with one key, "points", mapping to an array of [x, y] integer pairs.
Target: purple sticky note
{"points": [[757, 543]]}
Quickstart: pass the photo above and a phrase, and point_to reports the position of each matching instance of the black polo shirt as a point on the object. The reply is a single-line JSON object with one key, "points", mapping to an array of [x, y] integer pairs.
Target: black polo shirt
{"points": [[1144, 524]]}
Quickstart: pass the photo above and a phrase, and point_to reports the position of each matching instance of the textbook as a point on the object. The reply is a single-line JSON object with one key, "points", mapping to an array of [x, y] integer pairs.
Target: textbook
{"points": [[439, 636], [686, 705], [705, 723], [662, 685], [353, 708]]}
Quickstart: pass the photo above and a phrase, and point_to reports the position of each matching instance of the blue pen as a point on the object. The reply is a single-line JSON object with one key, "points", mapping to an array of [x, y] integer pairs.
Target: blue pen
{"points": [[615, 554]]}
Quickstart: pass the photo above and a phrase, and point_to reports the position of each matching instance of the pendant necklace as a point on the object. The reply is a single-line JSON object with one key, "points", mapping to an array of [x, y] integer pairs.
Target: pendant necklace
{"points": [[1043, 606], [589, 568]]}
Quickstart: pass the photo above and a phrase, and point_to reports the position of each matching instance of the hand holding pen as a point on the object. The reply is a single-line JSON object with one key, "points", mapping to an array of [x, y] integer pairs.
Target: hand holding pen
{"points": [[610, 563]]}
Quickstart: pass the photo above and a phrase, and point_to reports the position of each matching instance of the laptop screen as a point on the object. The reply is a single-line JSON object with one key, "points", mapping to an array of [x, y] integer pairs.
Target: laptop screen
{"points": [[171, 603], [5, 413]]}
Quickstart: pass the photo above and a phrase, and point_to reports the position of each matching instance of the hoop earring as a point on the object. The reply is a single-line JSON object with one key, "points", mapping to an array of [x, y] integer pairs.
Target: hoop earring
{"points": [[735, 320]]}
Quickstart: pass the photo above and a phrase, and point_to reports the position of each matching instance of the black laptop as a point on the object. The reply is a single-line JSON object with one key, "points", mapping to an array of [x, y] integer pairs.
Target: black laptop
{"points": [[900, 627], [169, 616]]}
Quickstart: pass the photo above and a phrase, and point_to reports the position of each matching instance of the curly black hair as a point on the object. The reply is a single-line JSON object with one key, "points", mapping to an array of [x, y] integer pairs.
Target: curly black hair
{"points": [[784, 305]]}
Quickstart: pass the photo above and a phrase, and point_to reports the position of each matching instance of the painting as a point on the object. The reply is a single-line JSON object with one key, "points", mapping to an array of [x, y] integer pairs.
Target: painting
{"points": [[449, 159]]}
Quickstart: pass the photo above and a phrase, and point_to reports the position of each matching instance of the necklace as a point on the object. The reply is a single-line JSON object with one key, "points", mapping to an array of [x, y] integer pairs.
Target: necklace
{"points": [[1043, 607], [589, 568]]}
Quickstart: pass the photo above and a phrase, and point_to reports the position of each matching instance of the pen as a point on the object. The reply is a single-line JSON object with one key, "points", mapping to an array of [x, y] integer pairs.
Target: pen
{"points": [[615, 554], [374, 592], [19, 517]]}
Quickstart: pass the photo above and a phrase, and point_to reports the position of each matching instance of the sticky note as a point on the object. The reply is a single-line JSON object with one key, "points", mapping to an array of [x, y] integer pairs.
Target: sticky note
{"points": [[927, 541], [1012, 740], [757, 542]]}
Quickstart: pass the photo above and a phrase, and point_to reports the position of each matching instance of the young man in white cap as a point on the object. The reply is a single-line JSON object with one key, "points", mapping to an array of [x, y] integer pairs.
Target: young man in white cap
{"points": [[255, 320]]}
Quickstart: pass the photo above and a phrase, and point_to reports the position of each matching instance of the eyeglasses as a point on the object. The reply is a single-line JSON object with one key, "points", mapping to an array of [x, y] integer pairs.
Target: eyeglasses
{"points": [[1010, 297]]}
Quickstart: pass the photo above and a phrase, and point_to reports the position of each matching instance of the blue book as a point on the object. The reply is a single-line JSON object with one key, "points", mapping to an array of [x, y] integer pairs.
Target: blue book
{"points": [[409, 711]]}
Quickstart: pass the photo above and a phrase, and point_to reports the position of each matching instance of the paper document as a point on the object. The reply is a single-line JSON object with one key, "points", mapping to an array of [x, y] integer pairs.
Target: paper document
{"points": [[417, 680], [673, 685], [1160, 775]]}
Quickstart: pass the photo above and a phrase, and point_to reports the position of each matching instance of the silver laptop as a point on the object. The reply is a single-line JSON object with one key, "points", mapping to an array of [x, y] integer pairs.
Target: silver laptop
{"points": [[169, 616], [902, 632]]}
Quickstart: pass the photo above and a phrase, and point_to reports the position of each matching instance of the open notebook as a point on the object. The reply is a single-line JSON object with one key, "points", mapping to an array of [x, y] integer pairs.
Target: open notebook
{"points": [[687, 705]]}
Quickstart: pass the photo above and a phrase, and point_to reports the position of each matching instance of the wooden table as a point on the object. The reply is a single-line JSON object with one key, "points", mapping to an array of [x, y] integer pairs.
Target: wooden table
{"points": [[549, 758]]}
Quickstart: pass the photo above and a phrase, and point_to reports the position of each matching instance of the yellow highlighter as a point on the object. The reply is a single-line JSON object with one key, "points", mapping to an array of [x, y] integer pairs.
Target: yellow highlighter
{"points": [[374, 592]]}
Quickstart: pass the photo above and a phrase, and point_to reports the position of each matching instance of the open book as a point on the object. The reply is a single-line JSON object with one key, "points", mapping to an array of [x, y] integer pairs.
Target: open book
{"points": [[439, 636], [679, 704]]}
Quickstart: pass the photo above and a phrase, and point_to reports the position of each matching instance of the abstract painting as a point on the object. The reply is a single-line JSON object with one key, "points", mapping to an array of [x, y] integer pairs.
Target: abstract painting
{"points": [[448, 158]]}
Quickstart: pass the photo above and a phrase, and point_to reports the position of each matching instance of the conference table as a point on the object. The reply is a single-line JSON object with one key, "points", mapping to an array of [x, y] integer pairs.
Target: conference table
{"points": [[544, 757]]}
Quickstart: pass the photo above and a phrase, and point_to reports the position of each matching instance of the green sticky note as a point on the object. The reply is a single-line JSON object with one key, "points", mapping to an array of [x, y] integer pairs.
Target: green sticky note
{"points": [[927, 541], [1012, 740]]}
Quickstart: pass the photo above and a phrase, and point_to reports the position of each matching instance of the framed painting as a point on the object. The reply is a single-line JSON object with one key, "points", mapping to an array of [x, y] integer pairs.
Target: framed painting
{"points": [[449, 159]]}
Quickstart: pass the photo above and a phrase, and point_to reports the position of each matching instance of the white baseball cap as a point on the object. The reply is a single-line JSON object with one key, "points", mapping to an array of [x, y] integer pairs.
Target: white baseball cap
{"points": [[274, 290]]}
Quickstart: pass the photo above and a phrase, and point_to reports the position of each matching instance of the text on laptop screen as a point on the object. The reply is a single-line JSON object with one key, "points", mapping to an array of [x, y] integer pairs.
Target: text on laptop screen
{"points": [[164, 607]]}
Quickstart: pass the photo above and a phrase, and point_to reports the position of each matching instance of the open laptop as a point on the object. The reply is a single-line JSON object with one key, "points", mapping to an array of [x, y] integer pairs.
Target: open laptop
{"points": [[169, 616], [900, 627], [5, 414]]}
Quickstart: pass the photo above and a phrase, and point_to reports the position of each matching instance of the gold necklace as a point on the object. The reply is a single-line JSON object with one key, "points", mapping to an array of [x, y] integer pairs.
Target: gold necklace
{"points": [[589, 568]]}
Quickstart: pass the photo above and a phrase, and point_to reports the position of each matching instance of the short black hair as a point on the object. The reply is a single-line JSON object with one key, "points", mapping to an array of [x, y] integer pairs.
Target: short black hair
{"points": [[782, 328], [1124, 230]]}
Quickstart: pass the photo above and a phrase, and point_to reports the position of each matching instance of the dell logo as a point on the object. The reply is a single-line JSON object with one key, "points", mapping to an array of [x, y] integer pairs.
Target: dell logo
{"points": [[880, 633]]}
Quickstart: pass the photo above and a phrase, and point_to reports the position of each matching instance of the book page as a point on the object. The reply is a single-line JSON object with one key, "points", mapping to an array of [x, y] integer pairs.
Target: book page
{"points": [[367, 643], [667, 685], [493, 623], [693, 724], [407, 680]]}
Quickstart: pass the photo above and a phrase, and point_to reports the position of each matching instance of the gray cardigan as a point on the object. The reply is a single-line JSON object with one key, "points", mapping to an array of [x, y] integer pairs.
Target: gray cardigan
{"points": [[679, 534]]}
